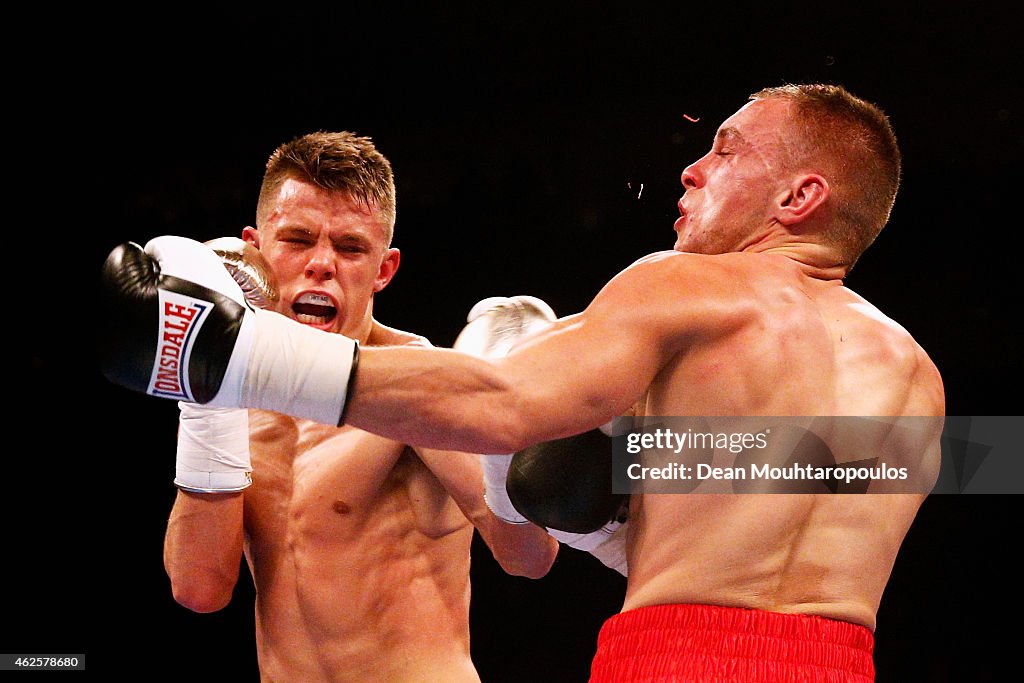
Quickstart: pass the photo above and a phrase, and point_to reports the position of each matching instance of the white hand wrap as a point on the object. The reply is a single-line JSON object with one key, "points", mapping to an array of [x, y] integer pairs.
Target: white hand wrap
{"points": [[607, 544], [213, 449]]}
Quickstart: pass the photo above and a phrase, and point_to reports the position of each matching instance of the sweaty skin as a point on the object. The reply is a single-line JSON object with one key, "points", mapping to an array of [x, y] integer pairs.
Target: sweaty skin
{"points": [[753, 319], [813, 554], [361, 556], [359, 546]]}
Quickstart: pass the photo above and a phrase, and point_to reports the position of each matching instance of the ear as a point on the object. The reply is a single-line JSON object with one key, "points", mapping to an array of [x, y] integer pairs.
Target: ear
{"points": [[802, 198], [388, 268], [251, 235]]}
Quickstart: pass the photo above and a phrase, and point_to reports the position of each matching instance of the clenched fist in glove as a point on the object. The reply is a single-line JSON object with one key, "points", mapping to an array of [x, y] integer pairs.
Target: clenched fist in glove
{"points": [[213, 443], [176, 325], [564, 485]]}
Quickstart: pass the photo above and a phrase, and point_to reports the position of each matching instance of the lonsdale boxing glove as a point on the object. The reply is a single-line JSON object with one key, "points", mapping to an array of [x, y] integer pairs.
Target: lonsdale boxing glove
{"points": [[176, 325]]}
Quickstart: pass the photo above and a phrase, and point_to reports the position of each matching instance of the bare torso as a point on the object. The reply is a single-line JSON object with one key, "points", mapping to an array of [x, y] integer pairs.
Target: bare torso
{"points": [[359, 555], [360, 559], [803, 347], [678, 334]]}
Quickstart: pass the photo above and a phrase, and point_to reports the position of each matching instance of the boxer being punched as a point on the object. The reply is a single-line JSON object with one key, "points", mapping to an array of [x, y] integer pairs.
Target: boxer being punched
{"points": [[748, 315], [359, 545]]}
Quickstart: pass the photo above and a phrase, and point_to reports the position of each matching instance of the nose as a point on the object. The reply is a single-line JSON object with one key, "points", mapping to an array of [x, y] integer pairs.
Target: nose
{"points": [[692, 177], [321, 264]]}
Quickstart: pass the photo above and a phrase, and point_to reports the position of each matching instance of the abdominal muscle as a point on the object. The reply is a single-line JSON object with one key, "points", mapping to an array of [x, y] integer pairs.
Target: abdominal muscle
{"points": [[351, 584]]}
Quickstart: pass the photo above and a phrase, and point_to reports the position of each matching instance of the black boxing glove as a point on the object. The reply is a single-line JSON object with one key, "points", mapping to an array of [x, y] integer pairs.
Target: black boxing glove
{"points": [[561, 484], [565, 486], [176, 325]]}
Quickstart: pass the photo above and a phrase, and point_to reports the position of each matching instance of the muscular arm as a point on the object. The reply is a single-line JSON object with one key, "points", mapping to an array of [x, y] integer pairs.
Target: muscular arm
{"points": [[520, 549], [576, 375], [203, 549]]}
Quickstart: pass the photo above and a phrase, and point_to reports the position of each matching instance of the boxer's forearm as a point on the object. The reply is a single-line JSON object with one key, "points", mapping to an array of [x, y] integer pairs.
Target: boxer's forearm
{"points": [[437, 398], [520, 549], [203, 549]]}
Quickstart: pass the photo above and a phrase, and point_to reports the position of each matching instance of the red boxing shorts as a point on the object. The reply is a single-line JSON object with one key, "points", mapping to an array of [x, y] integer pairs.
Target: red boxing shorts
{"points": [[707, 644]]}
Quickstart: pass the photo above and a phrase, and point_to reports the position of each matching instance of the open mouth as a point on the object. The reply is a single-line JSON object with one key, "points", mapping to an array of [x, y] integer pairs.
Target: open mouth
{"points": [[679, 222], [314, 309]]}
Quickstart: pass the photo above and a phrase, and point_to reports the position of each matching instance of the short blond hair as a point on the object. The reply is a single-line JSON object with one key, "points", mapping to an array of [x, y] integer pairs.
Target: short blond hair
{"points": [[339, 162], [855, 142]]}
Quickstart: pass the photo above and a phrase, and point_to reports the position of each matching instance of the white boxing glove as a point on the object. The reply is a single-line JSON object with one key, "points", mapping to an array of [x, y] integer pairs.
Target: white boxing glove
{"points": [[173, 323], [494, 326]]}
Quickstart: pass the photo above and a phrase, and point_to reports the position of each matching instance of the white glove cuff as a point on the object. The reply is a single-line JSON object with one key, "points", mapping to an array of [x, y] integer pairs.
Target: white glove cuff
{"points": [[213, 449], [607, 544], [292, 369], [587, 542], [495, 494]]}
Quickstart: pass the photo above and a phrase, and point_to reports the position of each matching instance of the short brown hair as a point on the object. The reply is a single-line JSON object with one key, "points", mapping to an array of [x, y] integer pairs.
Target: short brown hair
{"points": [[855, 140], [339, 162]]}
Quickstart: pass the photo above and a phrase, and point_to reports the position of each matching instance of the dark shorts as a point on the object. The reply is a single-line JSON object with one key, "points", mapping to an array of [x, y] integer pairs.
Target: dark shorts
{"points": [[707, 644]]}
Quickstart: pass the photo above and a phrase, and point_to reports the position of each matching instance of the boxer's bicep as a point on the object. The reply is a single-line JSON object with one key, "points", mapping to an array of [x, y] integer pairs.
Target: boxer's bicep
{"points": [[580, 374], [461, 476], [572, 377], [591, 367]]}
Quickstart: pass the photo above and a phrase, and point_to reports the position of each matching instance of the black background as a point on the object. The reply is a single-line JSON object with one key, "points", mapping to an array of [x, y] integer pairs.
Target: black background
{"points": [[536, 150]]}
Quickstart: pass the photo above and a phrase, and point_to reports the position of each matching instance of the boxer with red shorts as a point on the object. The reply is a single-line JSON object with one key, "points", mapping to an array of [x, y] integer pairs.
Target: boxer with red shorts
{"points": [[708, 643], [747, 316]]}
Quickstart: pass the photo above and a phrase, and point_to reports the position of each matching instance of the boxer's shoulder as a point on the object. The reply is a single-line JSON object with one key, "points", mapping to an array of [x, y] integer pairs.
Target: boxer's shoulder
{"points": [[685, 293], [382, 335], [720, 276]]}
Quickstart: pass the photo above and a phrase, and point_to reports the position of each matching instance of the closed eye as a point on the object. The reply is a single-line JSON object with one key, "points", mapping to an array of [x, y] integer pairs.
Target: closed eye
{"points": [[351, 248]]}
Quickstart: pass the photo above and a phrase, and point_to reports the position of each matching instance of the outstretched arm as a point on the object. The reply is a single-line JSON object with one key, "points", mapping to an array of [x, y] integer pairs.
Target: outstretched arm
{"points": [[575, 375], [210, 347]]}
